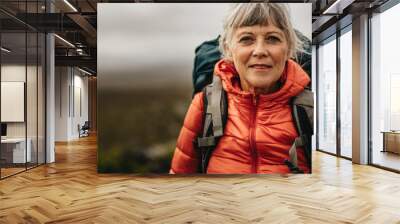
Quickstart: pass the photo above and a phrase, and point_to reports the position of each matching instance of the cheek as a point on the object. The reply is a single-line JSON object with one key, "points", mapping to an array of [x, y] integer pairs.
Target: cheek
{"points": [[281, 56], [282, 53], [241, 56]]}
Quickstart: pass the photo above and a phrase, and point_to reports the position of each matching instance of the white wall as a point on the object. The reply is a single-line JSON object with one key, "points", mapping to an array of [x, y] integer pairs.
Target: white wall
{"points": [[33, 126], [62, 81], [79, 110], [70, 84], [13, 73]]}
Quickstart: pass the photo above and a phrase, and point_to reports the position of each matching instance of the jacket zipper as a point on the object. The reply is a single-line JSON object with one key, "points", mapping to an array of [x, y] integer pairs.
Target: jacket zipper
{"points": [[253, 148]]}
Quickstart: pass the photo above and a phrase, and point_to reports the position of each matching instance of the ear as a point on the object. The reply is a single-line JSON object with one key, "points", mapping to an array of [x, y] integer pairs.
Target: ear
{"points": [[289, 55], [228, 52]]}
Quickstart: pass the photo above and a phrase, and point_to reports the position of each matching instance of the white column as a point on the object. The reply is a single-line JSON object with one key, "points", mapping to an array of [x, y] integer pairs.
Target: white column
{"points": [[50, 99], [314, 89], [360, 90], [50, 92], [62, 103]]}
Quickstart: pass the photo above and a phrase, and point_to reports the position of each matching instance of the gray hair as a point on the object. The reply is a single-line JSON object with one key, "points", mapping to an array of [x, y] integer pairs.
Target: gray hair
{"points": [[250, 14]]}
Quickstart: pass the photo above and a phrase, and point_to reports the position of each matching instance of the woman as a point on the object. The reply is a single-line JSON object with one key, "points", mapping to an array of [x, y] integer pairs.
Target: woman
{"points": [[260, 79]]}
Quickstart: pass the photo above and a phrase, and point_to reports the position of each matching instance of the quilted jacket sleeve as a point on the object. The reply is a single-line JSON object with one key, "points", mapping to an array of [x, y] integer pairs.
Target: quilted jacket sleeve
{"points": [[185, 156]]}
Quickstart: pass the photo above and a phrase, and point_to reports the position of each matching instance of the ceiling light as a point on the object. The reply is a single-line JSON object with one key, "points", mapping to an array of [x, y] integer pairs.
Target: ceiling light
{"points": [[5, 50], [84, 71], [65, 41], [333, 6], [70, 5], [338, 6]]}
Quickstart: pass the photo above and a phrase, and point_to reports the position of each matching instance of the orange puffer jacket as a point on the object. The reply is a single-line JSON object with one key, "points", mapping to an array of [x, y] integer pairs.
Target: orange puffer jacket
{"points": [[259, 131]]}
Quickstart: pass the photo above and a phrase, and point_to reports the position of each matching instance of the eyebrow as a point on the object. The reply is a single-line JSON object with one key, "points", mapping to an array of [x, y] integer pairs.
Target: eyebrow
{"points": [[271, 32]]}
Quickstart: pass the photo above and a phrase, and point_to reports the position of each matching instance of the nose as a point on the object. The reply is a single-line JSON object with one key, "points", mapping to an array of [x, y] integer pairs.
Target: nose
{"points": [[260, 49]]}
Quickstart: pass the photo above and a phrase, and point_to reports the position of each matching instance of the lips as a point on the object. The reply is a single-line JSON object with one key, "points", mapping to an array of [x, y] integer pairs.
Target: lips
{"points": [[260, 66]]}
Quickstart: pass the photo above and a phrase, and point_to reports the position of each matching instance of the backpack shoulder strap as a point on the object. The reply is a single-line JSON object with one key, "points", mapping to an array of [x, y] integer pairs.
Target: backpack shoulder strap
{"points": [[303, 111], [303, 116], [214, 120]]}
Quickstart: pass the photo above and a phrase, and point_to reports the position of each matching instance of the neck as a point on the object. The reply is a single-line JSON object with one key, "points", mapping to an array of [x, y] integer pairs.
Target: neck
{"points": [[271, 89], [265, 90]]}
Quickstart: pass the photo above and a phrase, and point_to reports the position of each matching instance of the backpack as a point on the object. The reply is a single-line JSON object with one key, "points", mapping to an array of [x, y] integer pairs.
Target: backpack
{"points": [[207, 55], [215, 107]]}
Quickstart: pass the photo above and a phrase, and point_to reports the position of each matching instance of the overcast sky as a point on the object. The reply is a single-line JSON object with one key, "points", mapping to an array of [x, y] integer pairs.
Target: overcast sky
{"points": [[142, 41]]}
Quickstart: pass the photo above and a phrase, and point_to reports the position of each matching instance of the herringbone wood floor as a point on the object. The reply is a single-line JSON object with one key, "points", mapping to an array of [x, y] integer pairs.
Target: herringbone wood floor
{"points": [[71, 191]]}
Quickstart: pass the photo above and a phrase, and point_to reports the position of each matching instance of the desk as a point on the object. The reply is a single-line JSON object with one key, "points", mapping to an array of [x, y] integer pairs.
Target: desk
{"points": [[391, 141], [15, 148]]}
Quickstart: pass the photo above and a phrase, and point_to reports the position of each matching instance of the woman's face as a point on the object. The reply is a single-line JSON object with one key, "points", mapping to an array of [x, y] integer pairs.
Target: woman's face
{"points": [[259, 54]]}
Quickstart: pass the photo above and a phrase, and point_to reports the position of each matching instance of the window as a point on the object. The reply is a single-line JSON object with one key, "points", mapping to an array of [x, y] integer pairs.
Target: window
{"points": [[385, 88], [22, 77], [346, 93], [327, 96]]}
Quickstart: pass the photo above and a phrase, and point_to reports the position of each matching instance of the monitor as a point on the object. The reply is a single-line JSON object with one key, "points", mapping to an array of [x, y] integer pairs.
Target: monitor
{"points": [[3, 129]]}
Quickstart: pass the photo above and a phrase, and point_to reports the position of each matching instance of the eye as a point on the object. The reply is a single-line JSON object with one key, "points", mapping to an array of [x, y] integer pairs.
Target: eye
{"points": [[273, 39], [245, 39]]}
